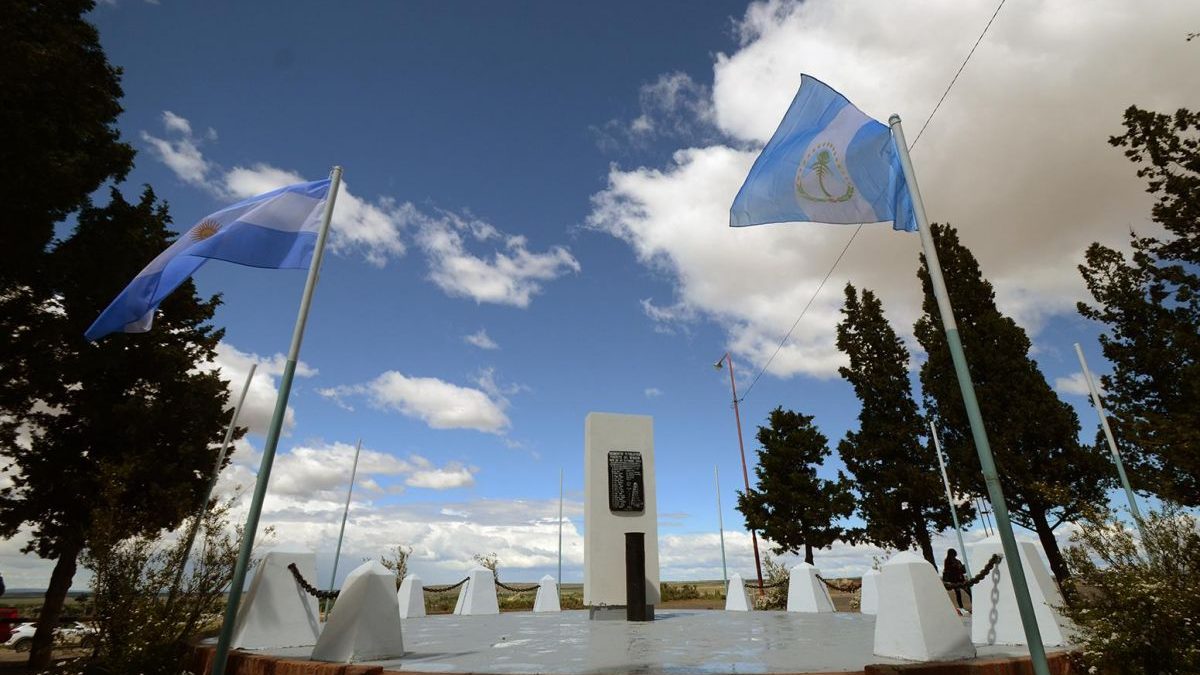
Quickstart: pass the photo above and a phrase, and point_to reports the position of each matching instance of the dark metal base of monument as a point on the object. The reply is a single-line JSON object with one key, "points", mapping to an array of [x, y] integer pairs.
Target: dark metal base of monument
{"points": [[635, 578], [617, 613]]}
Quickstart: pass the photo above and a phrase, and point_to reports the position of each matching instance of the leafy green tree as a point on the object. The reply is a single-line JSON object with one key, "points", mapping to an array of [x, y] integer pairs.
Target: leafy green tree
{"points": [[791, 506], [1150, 305], [896, 475], [128, 418], [1047, 476]]}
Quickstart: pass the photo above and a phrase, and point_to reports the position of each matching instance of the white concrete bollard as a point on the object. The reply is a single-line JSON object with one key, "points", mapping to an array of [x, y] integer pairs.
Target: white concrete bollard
{"points": [[462, 596], [807, 593], [411, 597], [276, 611], [916, 620], [479, 594], [365, 622], [994, 616], [868, 601], [547, 596], [737, 598]]}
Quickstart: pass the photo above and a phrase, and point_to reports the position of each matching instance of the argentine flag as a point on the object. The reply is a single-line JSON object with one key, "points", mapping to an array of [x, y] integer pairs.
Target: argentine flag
{"points": [[276, 230], [828, 162]]}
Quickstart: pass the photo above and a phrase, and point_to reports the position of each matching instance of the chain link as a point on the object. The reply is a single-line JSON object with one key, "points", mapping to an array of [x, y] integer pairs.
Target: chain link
{"points": [[753, 585], [514, 589], [312, 590], [443, 589], [845, 587], [959, 585]]}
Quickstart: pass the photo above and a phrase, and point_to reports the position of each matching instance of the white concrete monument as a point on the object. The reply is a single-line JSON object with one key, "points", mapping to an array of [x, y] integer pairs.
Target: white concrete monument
{"points": [[916, 620], [619, 497], [462, 596], [276, 611], [868, 599], [478, 595], [365, 622], [807, 593], [411, 597], [547, 596], [994, 616], [737, 598]]}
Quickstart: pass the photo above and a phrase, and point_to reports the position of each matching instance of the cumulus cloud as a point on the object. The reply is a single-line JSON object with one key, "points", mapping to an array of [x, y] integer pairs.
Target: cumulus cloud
{"points": [[1074, 384], [453, 475], [1016, 158], [440, 404], [674, 106], [234, 366], [653, 392], [481, 339], [511, 275]]}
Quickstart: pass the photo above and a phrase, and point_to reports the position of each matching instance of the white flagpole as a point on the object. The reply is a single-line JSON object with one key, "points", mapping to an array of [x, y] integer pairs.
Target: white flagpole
{"points": [[937, 446], [345, 512], [1112, 442], [212, 483], [721, 527], [268, 458], [1012, 556], [560, 525]]}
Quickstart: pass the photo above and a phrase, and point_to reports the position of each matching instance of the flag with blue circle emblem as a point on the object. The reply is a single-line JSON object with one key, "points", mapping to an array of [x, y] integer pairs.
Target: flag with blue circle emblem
{"points": [[276, 230], [828, 162]]}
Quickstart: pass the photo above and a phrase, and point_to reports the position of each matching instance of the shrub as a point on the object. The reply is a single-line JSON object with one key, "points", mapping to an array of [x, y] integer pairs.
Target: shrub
{"points": [[671, 592], [1137, 607], [775, 574]]}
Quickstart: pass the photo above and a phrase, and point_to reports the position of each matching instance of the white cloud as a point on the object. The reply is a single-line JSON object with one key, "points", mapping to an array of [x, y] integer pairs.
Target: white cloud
{"points": [[234, 366], [1016, 158], [653, 392], [673, 106], [453, 475], [512, 275], [176, 123], [440, 404], [1074, 384], [481, 339]]}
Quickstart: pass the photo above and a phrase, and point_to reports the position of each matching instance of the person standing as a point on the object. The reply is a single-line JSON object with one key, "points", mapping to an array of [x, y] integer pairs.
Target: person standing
{"points": [[954, 572]]}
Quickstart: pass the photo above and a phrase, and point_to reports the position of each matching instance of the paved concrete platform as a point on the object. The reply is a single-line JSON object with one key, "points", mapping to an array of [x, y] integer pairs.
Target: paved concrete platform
{"points": [[704, 641]]}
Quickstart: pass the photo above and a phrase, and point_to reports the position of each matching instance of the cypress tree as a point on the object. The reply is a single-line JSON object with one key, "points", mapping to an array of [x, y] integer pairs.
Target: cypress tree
{"points": [[1048, 477], [791, 505], [896, 475]]}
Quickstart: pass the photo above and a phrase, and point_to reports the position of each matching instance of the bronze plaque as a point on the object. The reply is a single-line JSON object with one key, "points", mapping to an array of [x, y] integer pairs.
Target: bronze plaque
{"points": [[626, 490]]}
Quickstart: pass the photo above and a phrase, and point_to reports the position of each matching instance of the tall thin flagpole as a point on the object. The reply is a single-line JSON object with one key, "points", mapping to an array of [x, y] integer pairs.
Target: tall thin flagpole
{"points": [[737, 416], [560, 524], [212, 483], [937, 446], [268, 458], [1012, 556], [721, 527], [1112, 442], [345, 512]]}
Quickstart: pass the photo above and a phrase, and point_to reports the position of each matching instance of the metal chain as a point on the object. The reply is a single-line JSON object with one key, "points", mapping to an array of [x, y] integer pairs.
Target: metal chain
{"points": [[312, 590], [443, 589], [959, 585], [753, 585], [514, 589], [847, 587]]}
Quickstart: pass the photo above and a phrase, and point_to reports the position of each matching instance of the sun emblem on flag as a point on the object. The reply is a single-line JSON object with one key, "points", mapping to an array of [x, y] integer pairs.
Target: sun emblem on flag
{"points": [[832, 182], [204, 229]]}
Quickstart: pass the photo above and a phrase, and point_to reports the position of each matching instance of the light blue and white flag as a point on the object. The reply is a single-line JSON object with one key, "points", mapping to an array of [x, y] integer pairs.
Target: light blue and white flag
{"points": [[828, 162], [276, 230]]}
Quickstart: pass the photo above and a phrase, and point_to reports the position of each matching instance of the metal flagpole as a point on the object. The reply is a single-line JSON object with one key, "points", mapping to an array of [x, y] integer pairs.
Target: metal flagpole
{"points": [[345, 512], [987, 524], [1112, 443], [937, 446], [721, 528], [268, 458], [737, 415], [1012, 556], [560, 523], [212, 483]]}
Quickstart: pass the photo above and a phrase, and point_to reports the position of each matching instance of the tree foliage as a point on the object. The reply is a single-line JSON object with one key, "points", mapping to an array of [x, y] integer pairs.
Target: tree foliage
{"points": [[128, 418], [895, 474], [1150, 306], [1048, 477], [791, 505]]}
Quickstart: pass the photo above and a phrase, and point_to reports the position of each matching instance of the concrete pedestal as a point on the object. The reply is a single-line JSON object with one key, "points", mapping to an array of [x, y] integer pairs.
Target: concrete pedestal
{"points": [[994, 616], [610, 442], [868, 602], [737, 598], [547, 596], [411, 597], [276, 612], [806, 593], [916, 620], [365, 622], [478, 595]]}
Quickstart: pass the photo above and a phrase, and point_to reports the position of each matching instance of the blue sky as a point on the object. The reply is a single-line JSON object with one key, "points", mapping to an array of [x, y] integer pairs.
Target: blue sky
{"points": [[534, 228]]}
